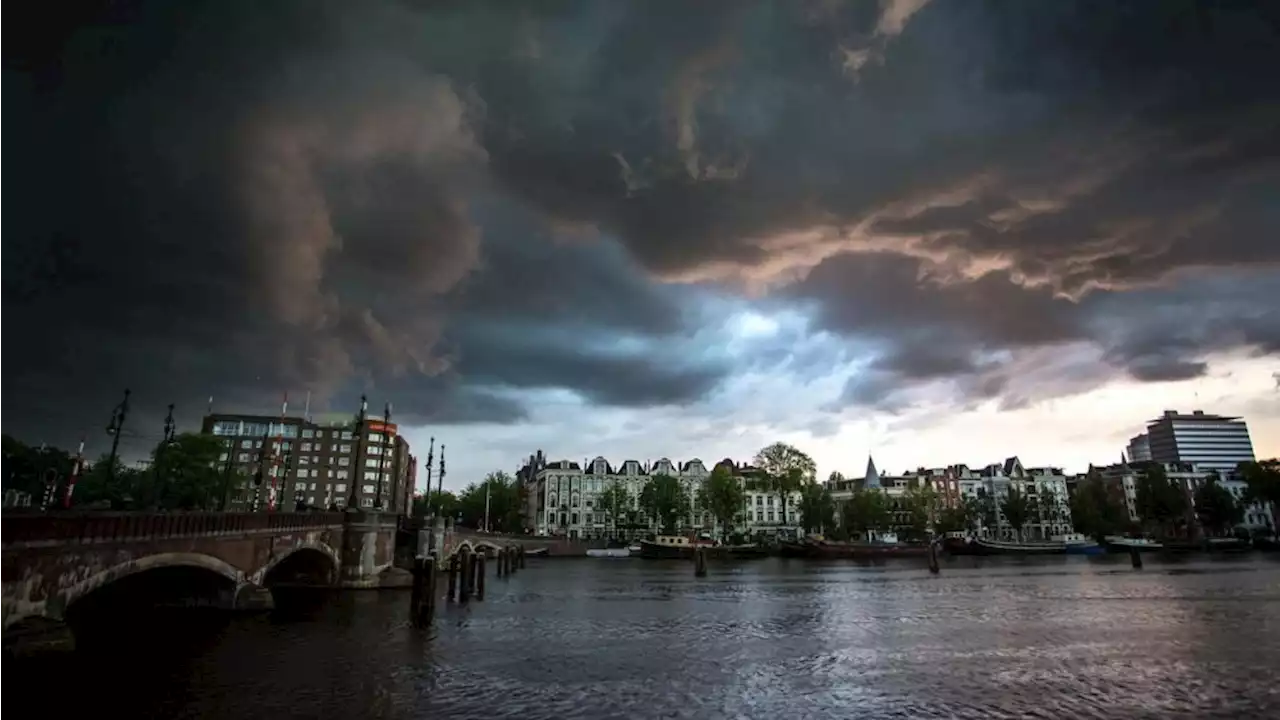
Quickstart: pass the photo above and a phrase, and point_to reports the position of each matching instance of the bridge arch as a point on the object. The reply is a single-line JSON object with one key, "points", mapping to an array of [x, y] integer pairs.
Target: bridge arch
{"points": [[312, 563], [119, 572]]}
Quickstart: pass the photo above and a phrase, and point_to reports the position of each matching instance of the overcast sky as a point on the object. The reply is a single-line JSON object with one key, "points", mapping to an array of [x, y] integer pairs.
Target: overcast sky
{"points": [[935, 232]]}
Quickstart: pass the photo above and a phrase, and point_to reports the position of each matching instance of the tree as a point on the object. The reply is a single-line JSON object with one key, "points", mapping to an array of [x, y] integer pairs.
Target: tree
{"points": [[1016, 509], [446, 504], [187, 474], [1216, 507], [29, 469], [1095, 511], [665, 499], [921, 507], [836, 479], [866, 510], [614, 500], [787, 470], [817, 509], [723, 496], [1159, 502], [1263, 482], [504, 503]]}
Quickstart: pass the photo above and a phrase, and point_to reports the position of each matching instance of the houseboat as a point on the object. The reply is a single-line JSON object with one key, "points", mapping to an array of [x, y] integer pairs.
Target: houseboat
{"points": [[672, 547], [1122, 544], [1070, 544]]}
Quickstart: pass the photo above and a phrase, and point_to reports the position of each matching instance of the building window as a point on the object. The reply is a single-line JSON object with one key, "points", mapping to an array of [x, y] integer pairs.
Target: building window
{"points": [[243, 457], [344, 461], [344, 448], [222, 457], [340, 487], [304, 460], [315, 473], [373, 450], [366, 488], [346, 435], [306, 447], [366, 502], [341, 475], [308, 433], [375, 437], [246, 444]]}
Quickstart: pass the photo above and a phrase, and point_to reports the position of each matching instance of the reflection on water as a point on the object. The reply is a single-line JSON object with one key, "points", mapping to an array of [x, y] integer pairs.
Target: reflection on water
{"points": [[988, 638]]}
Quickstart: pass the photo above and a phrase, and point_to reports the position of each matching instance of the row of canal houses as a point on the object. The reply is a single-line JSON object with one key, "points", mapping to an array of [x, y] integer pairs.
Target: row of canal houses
{"points": [[563, 497]]}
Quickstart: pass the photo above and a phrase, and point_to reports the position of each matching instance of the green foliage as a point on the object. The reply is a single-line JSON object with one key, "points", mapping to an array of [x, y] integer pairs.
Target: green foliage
{"points": [[27, 468], [1216, 507], [723, 496], [1263, 481], [921, 506], [786, 470], [504, 504], [430, 503], [664, 499], [1016, 508], [865, 510], [1160, 502], [616, 501], [1096, 511], [817, 509]]}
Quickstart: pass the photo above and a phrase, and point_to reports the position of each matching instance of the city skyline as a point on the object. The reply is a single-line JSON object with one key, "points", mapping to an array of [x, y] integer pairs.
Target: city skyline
{"points": [[927, 231]]}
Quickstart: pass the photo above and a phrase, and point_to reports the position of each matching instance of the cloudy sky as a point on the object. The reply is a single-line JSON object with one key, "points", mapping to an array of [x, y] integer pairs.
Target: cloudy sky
{"points": [[938, 232]]}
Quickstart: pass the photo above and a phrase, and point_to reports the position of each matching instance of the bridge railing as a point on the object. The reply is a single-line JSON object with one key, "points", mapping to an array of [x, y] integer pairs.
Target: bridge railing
{"points": [[115, 527]]}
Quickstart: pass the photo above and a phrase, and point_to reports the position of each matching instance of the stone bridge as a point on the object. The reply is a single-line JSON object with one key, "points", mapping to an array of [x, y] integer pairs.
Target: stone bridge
{"points": [[228, 560], [441, 533]]}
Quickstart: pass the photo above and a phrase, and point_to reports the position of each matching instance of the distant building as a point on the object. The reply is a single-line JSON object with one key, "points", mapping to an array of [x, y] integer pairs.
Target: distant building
{"points": [[1139, 449], [1212, 442], [956, 484], [314, 465], [564, 498], [1123, 480]]}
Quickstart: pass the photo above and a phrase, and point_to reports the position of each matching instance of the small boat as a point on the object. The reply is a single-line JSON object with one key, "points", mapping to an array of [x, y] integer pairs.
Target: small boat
{"points": [[828, 549], [1121, 544], [633, 549], [959, 543], [671, 547], [536, 552], [1072, 544], [608, 553], [1229, 544]]}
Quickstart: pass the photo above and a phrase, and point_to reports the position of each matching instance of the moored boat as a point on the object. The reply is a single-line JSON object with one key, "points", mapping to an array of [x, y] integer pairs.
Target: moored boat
{"points": [[608, 553], [1121, 544], [671, 547], [1073, 544]]}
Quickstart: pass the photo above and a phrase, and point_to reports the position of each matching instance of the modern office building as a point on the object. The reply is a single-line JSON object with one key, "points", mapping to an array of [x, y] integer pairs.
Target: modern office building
{"points": [[1139, 448], [1211, 442], [309, 464]]}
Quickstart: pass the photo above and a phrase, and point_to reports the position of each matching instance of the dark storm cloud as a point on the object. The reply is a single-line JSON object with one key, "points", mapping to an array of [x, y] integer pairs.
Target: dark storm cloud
{"points": [[237, 198]]}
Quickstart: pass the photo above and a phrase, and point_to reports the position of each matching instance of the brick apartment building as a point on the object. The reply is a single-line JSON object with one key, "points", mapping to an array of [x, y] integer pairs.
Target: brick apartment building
{"points": [[312, 464]]}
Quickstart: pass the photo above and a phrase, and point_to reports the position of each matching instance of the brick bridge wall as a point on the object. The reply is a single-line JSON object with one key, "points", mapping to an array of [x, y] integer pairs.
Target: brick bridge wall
{"points": [[442, 534], [50, 561]]}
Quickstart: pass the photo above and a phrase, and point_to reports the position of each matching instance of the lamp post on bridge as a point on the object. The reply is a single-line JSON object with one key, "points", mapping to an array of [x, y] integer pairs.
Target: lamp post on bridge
{"points": [[114, 429]]}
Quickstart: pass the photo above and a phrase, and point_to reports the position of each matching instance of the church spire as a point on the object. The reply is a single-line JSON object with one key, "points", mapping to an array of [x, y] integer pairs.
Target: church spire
{"points": [[872, 478]]}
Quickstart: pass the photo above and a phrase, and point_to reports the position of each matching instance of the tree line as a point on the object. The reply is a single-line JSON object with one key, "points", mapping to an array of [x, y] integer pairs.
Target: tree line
{"points": [[185, 473], [1098, 508]]}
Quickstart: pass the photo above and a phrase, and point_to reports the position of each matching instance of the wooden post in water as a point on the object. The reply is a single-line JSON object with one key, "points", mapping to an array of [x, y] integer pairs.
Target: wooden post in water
{"points": [[700, 562], [503, 566], [933, 557], [468, 574], [482, 558], [1135, 558], [452, 589], [415, 597], [513, 560], [521, 556]]}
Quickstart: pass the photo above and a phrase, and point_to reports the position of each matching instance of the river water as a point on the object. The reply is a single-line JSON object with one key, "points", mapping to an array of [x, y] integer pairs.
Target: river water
{"points": [[988, 638]]}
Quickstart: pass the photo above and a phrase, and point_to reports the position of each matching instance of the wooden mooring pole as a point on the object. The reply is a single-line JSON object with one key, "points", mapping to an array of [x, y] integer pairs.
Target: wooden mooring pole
{"points": [[482, 558], [700, 562], [451, 592], [422, 604], [468, 574], [933, 557], [1135, 558]]}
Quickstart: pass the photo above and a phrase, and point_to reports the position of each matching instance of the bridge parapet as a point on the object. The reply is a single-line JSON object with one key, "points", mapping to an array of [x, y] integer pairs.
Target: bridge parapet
{"points": [[80, 528]]}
